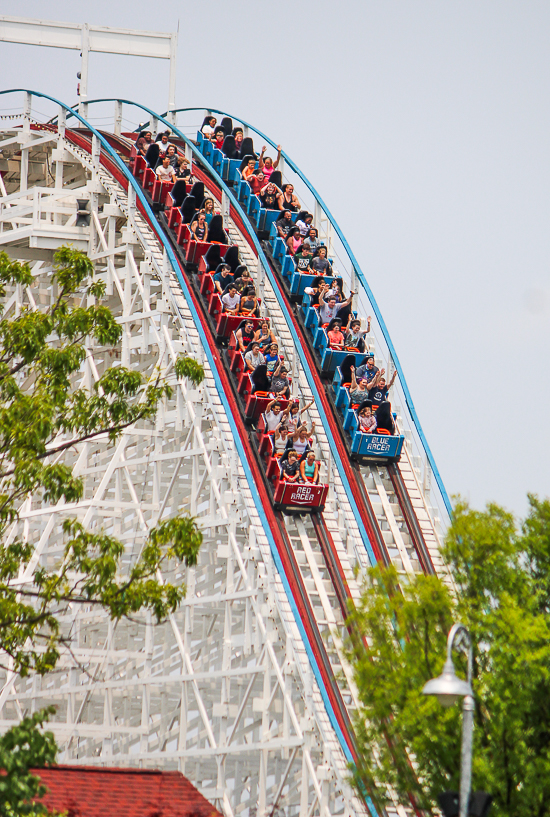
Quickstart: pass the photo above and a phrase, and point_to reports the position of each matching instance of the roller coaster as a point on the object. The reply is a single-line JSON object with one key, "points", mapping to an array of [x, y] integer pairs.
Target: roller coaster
{"points": [[245, 689]]}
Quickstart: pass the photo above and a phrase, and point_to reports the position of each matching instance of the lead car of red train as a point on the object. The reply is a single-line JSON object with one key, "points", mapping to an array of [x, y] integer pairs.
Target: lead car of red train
{"points": [[299, 496]]}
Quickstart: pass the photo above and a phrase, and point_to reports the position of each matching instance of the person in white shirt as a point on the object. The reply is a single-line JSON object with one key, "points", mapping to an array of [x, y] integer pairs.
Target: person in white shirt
{"points": [[274, 416], [165, 171], [231, 300], [299, 440], [208, 125], [164, 144], [329, 308], [280, 439], [254, 357]]}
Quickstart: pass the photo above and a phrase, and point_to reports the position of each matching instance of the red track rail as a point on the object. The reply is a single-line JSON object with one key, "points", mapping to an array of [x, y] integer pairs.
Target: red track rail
{"points": [[360, 496], [284, 549]]}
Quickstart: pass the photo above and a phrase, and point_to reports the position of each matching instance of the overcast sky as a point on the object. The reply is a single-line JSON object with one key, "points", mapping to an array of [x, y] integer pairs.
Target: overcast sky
{"points": [[425, 128]]}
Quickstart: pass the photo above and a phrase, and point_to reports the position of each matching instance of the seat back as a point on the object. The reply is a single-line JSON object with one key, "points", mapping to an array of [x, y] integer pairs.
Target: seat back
{"points": [[345, 367], [207, 149], [178, 192], [149, 178], [288, 266], [161, 190], [212, 257], [232, 257], [183, 234], [247, 147], [207, 286], [260, 379], [320, 340], [228, 147], [174, 218], [152, 155], [254, 207], [197, 191], [188, 209], [195, 250], [139, 166], [277, 178], [227, 125], [216, 231]]}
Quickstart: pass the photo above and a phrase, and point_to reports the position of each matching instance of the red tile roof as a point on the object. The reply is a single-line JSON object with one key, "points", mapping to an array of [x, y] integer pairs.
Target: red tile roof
{"points": [[92, 791]]}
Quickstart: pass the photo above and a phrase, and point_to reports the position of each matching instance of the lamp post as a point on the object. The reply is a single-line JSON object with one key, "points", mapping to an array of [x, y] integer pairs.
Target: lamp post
{"points": [[448, 689]]}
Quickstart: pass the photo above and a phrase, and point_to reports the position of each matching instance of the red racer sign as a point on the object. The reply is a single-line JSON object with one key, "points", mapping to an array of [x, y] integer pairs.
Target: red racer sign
{"points": [[298, 494]]}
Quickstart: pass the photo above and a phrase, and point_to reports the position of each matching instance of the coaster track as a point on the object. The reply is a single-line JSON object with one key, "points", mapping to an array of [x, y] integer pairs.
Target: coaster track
{"points": [[280, 740]]}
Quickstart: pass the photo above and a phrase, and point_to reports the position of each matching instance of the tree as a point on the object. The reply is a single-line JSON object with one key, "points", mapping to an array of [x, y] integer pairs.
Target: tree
{"points": [[22, 748], [399, 632], [42, 414]]}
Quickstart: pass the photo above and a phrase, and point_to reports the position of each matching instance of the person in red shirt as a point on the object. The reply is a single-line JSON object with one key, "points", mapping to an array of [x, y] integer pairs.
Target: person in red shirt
{"points": [[219, 137], [335, 335], [256, 181]]}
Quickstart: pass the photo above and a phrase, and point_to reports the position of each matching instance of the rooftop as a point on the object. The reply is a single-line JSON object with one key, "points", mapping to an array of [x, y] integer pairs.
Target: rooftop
{"points": [[92, 791]]}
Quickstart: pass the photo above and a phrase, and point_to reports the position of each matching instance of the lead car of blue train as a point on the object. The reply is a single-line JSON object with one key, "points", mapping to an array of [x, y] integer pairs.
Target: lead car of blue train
{"points": [[334, 364]]}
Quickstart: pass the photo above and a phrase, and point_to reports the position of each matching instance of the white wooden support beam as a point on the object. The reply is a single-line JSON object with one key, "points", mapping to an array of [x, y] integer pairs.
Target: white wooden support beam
{"points": [[83, 85], [118, 117], [182, 692], [226, 207], [26, 131]]}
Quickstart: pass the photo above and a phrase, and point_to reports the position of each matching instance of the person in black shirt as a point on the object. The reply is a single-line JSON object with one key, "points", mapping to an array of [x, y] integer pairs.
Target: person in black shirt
{"points": [[245, 335], [290, 468], [269, 196], [288, 199], [182, 169], [318, 287], [279, 382], [379, 393], [303, 258], [223, 278], [283, 224]]}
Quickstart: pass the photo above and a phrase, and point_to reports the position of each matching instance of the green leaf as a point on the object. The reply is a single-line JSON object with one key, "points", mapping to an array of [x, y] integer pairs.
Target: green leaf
{"points": [[22, 748], [40, 352]]}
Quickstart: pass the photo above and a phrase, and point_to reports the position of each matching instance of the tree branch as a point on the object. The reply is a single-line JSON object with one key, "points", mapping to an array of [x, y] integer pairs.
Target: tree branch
{"points": [[83, 439]]}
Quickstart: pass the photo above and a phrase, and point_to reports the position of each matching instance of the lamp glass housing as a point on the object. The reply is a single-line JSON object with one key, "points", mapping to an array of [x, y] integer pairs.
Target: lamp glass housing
{"points": [[448, 687]]}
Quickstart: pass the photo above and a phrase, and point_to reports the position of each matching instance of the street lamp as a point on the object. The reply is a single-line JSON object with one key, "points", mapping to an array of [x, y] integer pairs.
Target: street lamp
{"points": [[448, 688]]}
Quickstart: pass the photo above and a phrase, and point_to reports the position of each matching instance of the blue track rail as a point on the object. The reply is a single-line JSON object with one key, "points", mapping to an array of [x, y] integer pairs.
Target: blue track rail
{"points": [[363, 280], [223, 397], [282, 304]]}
